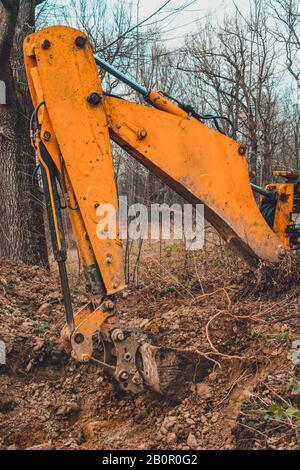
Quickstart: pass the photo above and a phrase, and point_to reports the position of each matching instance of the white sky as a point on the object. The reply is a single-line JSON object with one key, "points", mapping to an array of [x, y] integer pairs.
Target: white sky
{"points": [[183, 22], [174, 28], [198, 8]]}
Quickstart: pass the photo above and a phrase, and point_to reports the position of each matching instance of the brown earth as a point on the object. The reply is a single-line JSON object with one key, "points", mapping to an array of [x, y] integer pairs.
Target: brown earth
{"points": [[244, 320]]}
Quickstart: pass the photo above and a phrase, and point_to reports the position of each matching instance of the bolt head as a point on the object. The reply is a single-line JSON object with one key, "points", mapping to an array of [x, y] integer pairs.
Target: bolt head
{"points": [[46, 44], [94, 99], [123, 375], [117, 335], [80, 42], [109, 259], [79, 338], [127, 356], [108, 305], [120, 336], [242, 149], [46, 136], [281, 252], [142, 134]]}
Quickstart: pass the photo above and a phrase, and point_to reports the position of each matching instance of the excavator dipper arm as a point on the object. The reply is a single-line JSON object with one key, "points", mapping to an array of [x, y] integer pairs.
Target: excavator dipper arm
{"points": [[72, 126]]}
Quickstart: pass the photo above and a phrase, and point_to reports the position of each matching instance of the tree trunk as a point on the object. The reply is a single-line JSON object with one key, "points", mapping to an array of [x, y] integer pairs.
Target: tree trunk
{"points": [[22, 235]]}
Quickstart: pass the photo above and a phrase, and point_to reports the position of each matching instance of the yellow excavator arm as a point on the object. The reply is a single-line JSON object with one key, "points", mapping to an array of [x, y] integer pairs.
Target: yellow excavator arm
{"points": [[72, 128]]}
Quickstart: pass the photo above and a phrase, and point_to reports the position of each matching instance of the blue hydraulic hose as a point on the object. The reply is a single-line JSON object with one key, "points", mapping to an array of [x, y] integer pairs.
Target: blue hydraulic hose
{"points": [[121, 76]]}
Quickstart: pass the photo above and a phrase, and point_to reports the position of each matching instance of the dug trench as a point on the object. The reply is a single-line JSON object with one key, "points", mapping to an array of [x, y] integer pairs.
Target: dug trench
{"points": [[244, 320]]}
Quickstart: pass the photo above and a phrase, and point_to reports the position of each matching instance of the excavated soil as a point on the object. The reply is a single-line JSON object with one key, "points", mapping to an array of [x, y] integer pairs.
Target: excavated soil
{"points": [[242, 320]]}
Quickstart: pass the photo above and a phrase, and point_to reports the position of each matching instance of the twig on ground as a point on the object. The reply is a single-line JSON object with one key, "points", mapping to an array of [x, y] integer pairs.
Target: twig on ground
{"points": [[231, 387]]}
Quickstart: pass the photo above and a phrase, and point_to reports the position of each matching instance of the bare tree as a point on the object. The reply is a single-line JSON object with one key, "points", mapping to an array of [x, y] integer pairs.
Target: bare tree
{"points": [[232, 69], [228, 69], [287, 32], [21, 212]]}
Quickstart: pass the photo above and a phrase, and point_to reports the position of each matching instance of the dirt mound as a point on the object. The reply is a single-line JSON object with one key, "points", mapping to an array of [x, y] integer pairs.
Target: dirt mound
{"points": [[47, 400]]}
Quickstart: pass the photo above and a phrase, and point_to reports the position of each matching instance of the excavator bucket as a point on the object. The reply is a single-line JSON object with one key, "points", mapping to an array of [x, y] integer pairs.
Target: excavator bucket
{"points": [[136, 362], [171, 371]]}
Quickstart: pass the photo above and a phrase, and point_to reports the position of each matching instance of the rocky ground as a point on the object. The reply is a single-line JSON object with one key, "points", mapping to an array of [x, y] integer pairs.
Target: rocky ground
{"points": [[245, 322]]}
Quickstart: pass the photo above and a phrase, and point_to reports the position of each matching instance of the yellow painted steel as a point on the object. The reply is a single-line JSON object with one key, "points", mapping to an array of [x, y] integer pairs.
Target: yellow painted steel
{"points": [[284, 210], [199, 163], [80, 132], [37, 95]]}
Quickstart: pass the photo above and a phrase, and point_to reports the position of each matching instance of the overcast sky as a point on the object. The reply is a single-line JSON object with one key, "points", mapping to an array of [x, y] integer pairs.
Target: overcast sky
{"points": [[184, 21], [176, 25], [198, 7]]}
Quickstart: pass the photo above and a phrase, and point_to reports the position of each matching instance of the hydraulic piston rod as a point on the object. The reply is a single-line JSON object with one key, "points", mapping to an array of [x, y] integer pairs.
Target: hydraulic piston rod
{"points": [[121, 76], [263, 192]]}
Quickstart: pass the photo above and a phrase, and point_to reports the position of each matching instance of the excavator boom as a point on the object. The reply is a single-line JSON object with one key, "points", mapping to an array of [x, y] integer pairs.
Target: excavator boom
{"points": [[72, 128]]}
